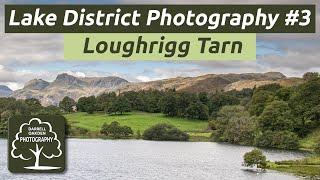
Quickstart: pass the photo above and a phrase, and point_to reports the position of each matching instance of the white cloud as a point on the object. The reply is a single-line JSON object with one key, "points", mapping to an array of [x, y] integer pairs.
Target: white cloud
{"points": [[13, 86], [15, 79], [75, 73], [30, 48], [144, 78]]}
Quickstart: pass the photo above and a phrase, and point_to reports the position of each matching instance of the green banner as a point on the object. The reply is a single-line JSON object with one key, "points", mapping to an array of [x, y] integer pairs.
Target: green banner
{"points": [[158, 46]]}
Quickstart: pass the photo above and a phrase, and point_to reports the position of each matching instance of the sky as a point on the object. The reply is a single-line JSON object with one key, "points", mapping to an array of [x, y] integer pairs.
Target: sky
{"points": [[28, 56]]}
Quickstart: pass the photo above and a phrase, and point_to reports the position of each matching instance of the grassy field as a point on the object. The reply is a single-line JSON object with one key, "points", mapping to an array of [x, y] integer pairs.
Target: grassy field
{"points": [[136, 120], [309, 166]]}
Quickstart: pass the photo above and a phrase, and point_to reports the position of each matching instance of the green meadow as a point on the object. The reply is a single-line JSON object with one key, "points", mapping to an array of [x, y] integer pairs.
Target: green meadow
{"points": [[136, 120]]}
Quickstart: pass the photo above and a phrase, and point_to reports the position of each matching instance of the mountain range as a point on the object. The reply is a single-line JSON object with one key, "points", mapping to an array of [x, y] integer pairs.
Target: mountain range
{"points": [[51, 93]]}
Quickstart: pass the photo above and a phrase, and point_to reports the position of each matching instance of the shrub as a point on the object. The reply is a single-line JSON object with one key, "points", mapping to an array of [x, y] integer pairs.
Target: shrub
{"points": [[165, 132], [76, 131], [138, 134], [115, 130], [82, 131], [212, 125], [126, 131], [255, 158]]}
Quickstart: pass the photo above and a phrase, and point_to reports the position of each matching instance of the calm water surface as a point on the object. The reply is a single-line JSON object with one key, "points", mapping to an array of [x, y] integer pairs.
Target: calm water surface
{"points": [[138, 159]]}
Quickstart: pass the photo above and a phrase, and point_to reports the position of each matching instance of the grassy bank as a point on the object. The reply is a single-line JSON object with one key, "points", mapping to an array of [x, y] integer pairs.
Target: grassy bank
{"points": [[309, 166], [308, 143], [137, 121]]}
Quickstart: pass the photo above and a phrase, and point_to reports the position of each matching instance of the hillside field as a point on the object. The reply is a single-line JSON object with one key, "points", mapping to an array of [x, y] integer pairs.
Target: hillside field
{"points": [[137, 121]]}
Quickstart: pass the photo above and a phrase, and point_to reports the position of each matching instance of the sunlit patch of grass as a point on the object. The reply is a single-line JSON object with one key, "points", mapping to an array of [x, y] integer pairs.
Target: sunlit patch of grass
{"points": [[310, 141], [309, 166], [136, 120]]}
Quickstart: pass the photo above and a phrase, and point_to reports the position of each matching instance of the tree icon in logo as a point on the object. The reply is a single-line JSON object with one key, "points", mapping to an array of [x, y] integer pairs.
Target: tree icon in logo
{"points": [[34, 140]]}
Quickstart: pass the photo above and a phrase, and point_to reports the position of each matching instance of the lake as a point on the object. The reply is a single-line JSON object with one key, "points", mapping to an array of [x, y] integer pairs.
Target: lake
{"points": [[138, 159]]}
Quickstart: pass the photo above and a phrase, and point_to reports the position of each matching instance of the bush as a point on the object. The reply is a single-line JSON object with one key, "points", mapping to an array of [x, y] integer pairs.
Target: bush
{"points": [[277, 139], [165, 132], [82, 131], [255, 158], [126, 131], [76, 131], [138, 134], [212, 125], [115, 130]]}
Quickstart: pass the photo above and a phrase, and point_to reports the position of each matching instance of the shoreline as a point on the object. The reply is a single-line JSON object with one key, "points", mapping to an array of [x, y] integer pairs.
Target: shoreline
{"points": [[308, 167], [192, 138]]}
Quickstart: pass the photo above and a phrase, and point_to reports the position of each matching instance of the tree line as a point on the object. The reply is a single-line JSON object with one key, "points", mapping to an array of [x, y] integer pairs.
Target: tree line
{"points": [[202, 106]]}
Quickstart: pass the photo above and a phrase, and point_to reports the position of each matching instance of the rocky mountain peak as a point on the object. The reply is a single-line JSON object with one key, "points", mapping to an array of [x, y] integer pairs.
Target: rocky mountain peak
{"points": [[107, 82], [36, 84], [65, 79], [51, 93], [275, 75]]}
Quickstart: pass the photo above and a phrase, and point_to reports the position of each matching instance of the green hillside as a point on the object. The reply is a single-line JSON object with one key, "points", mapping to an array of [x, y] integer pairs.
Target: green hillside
{"points": [[135, 120]]}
